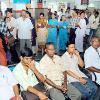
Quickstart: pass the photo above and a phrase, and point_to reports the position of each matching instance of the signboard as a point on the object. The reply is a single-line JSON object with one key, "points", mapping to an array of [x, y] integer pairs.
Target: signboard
{"points": [[84, 2], [22, 1]]}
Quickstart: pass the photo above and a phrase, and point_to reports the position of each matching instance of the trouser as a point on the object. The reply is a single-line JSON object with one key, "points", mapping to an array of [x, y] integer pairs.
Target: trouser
{"points": [[30, 96], [25, 42], [52, 93], [97, 96], [92, 33], [56, 94], [72, 35], [72, 93], [88, 90]]}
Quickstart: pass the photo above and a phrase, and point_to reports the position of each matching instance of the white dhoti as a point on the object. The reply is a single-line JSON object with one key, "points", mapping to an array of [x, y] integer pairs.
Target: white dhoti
{"points": [[80, 33]]}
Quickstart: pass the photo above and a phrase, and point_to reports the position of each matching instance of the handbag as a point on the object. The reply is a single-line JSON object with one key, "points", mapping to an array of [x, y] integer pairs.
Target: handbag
{"points": [[11, 39]]}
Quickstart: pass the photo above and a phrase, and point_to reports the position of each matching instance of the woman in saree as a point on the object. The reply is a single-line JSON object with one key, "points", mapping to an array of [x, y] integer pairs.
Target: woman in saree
{"points": [[52, 30], [63, 33], [41, 28]]}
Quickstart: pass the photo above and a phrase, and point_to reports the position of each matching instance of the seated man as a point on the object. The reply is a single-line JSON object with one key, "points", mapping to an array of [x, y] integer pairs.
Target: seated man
{"points": [[92, 58], [28, 76], [70, 60], [51, 67], [8, 85]]}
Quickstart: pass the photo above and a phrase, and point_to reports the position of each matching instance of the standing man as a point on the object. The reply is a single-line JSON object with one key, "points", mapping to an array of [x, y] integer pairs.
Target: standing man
{"points": [[24, 27], [11, 22]]}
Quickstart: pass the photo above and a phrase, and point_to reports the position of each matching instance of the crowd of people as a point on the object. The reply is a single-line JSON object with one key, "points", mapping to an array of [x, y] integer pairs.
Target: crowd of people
{"points": [[71, 25], [54, 77]]}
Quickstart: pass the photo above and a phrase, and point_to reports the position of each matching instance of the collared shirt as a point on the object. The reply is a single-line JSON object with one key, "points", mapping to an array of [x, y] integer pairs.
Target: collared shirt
{"points": [[60, 15], [73, 22], [91, 20], [52, 69], [10, 24], [92, 58], [3, 27], [24, 28], [96, 23], [71, 63], [25, 79], [7, 81]]}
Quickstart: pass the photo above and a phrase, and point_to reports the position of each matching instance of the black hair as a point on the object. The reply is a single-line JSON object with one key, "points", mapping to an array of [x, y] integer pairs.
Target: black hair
{"points": [[82, 12], [1, 12], [68, 8], [26, 52], [97, 12], [48, 44], [70, 42], [9, 10], [41, 13], [94, 37], [27, 12], [54, 14], [62, 16], [61, 9], [55, 11]]}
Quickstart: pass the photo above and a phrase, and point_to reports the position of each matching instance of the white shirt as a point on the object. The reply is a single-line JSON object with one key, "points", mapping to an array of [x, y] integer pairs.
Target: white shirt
{"points": [[92, 58], [82, 29], [71, 63], [52, 69], [96, 23], [12, 23], [91, 20], [25, 79], [7, 81], [60, 15], [70, 13], [24, 28]]}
